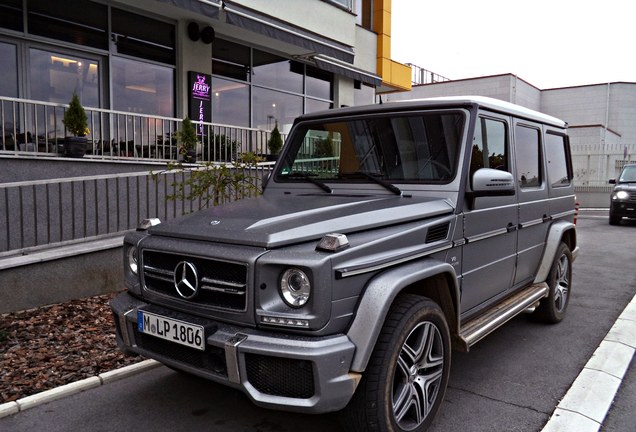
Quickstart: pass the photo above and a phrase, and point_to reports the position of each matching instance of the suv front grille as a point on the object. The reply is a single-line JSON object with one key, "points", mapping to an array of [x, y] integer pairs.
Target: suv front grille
{"points": [[222, 284]]}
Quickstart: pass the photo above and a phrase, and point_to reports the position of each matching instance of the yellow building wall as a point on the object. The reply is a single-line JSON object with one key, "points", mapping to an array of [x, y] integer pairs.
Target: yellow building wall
{"points": [[393, 74]]}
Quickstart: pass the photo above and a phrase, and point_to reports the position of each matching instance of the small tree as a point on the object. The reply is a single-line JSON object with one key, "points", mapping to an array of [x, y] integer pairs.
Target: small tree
{"points": [[275, 142], [75, 119], [187, 137], [214, 184]]}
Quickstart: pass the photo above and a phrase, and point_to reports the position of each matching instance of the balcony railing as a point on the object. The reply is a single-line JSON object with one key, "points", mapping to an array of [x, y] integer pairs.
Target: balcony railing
{"points": [[35, 127], [422, 76]]}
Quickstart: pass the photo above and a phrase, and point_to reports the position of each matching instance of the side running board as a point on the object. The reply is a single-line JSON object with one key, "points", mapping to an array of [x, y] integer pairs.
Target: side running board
{"points": [[481, 326]]}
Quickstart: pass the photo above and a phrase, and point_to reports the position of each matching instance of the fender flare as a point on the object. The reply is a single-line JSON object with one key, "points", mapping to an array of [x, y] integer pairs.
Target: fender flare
{"points": [[379, 296], [556, 234]]}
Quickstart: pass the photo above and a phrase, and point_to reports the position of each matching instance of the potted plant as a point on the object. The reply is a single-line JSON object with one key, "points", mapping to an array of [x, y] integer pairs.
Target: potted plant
{"points": [[75, 122], [275, 143], [188, 140]]}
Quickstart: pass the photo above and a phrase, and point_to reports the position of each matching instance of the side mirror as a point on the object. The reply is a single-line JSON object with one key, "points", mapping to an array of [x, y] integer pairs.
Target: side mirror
{"points": [[612, 181], [492, 182]]}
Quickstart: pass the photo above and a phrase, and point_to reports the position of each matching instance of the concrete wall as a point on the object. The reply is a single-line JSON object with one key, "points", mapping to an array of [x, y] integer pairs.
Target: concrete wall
{"points": [[314, 15], [27, 168], [58, 280]]}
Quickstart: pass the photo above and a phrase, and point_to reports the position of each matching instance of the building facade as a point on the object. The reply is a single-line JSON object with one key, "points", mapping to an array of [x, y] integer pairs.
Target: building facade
{"points": [[243, 63]]}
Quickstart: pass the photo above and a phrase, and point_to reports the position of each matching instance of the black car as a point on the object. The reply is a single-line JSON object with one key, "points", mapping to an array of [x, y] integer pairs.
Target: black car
{"points": [[623, 200]]}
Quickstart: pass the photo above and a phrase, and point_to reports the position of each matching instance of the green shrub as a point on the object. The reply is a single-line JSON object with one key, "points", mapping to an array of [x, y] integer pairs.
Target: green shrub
{"points": [[275, 142], [75, 119]]}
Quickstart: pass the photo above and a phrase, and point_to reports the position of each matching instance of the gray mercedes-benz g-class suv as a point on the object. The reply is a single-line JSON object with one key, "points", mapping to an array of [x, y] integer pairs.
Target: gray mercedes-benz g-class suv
{"points": [[386, 236]]}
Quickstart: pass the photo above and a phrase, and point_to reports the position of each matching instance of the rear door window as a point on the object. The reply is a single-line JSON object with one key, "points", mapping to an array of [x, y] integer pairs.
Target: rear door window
{"points": [[528, 156], [559, 167]]}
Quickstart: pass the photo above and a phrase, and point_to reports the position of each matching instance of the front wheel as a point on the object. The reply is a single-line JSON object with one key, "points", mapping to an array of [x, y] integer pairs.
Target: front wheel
{"points": [[552, 308], [405, 381], [613, 219]]}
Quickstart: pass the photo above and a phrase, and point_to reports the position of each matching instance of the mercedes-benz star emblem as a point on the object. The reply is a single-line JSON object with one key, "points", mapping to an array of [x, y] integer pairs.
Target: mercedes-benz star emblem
{"points": [[186, 280]]}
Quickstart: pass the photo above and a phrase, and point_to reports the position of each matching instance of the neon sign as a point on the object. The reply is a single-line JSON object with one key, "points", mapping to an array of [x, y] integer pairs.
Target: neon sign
{"points": [[199, 98]]}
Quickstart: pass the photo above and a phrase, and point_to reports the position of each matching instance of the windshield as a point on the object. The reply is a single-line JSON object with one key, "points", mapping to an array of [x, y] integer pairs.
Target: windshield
{"points": [[421, 147], [628, 175]]}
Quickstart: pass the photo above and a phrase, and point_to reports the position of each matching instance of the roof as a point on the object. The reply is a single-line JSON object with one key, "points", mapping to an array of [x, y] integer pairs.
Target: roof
{"points": [[487, 103], [498, 106]]}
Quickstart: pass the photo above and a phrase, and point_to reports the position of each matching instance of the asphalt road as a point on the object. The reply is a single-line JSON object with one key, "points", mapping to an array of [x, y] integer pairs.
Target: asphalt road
{"points": [[511, 381]]}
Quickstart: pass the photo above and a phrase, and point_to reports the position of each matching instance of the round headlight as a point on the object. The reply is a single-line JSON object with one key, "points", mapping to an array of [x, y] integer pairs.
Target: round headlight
{"points": [[295, 287], [131, 259], [621, 195]]}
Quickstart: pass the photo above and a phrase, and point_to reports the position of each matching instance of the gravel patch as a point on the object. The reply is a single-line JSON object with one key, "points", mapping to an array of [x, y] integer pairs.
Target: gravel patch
{"points": [[50, 346]]}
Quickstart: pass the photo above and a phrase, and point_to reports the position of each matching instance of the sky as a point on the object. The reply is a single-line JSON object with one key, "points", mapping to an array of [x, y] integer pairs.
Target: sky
{"points": [[548, 43]]}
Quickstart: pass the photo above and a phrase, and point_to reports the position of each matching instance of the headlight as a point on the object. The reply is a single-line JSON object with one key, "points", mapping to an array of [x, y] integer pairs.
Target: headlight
{"points": [[621, 195], [131, 259], [295, 287]]}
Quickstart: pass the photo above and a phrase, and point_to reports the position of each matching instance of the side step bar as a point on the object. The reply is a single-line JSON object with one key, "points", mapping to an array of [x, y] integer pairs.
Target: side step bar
{"points": [[481, 326]]}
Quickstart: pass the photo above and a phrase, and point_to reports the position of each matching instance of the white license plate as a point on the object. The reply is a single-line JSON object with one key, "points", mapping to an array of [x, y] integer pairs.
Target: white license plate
{"points": [[171, 330]]}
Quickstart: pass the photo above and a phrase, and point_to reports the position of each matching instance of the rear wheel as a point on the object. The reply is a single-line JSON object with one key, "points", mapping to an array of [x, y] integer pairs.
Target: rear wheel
{"points": [[406, 378], [552, 308]]}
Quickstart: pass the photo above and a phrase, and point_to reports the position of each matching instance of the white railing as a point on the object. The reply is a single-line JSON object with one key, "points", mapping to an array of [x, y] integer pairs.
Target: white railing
{"points": [[35, 127]]}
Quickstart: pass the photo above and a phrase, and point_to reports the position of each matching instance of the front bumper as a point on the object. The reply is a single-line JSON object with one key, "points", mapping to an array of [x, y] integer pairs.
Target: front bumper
{"points": [[276, 370], [619, 208]]}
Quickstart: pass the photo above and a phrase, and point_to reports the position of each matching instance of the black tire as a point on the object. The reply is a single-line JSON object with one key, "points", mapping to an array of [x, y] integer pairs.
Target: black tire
{"points": [[406, 378], [614, 220], [552, 309]]}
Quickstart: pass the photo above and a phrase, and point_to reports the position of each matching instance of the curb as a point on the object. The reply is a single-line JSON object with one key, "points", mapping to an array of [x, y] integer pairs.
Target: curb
{"points": [[15, 407], [589, 399]]}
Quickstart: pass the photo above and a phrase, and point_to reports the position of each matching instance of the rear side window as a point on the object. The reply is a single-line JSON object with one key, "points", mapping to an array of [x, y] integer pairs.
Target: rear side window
{"points": [[528, 157], [490, 146], [558, 156]]}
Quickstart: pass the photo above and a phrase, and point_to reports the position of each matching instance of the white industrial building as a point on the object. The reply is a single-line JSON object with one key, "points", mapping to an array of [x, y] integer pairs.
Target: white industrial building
{"points": [[601, 119]]}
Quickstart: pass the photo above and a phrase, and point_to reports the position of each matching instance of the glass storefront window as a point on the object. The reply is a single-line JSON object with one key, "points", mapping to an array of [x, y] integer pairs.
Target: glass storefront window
{"points": [[76, 21], [271, 106], [312, 105], [8, 70], [230, 102], [270, 87], [8, 87], [272, 71], [54, 77], [142, 37], [141, 87], [319, 83], [11, 15], [230, 60]]}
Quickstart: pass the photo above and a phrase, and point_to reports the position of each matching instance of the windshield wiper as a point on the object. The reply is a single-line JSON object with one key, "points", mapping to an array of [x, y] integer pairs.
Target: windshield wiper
{"points": [[374, 178], [308, 177]]}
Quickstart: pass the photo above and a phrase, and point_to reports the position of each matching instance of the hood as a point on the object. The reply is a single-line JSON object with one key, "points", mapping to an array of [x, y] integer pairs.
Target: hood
{"points": [[626, 186], [275, 221]]}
